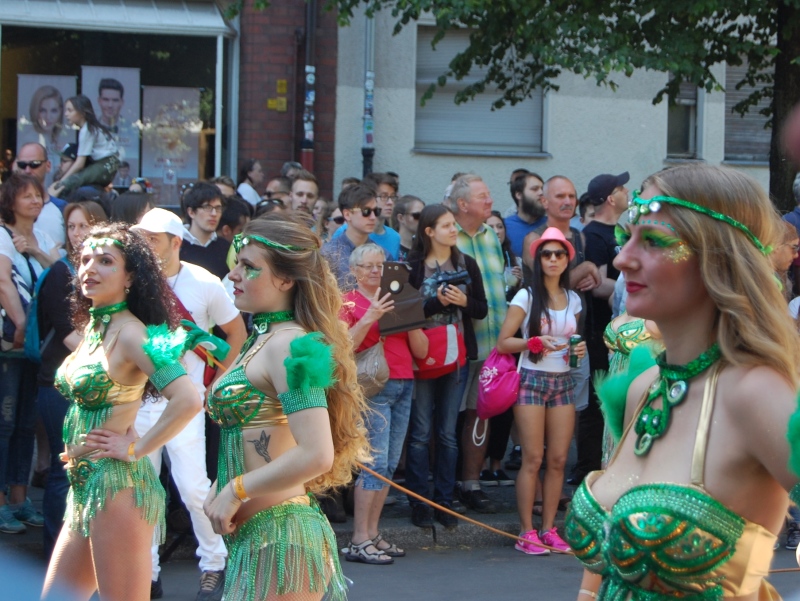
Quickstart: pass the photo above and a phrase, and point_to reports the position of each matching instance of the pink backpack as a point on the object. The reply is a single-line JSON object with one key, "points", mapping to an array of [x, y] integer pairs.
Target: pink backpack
{"points": [[498, 384]]}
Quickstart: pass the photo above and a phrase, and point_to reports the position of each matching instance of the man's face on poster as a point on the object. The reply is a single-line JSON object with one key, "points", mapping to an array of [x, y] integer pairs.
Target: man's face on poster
{"points": [[111, 104]]}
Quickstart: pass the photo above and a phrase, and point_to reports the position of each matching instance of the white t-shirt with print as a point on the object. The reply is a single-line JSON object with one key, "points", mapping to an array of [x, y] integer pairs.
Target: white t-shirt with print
{"points": [[46, 244], [204, 296], [562, 323]]}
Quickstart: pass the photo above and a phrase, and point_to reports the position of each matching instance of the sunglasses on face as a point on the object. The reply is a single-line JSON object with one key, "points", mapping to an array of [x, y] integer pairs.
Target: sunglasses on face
{"points": [[365, 212], [338, 220], [23, 165], [415, 215], [557, 253]]}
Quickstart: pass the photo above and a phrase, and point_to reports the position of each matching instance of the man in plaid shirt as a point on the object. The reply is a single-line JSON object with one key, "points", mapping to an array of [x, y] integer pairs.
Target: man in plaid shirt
{"points": [[471, 201]]}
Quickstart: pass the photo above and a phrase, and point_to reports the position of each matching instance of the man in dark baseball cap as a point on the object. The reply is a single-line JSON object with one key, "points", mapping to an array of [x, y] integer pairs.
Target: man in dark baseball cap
{"points": [[68, 155], [609, 196], [602, 186]]}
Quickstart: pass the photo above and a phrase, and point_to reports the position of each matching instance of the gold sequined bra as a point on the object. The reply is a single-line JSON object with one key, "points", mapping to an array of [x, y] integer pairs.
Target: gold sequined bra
{"points": [[627, 337], [236, 403], [93, 393], [667, 542]]}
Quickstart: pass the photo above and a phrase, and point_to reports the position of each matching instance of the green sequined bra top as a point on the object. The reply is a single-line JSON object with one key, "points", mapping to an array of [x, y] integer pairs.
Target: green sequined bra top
{"points": [[667, 542], [93, 394], [235, 404]]}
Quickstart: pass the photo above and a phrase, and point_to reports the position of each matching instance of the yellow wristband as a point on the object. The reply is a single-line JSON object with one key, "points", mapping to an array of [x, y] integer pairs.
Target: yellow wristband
{"points": [[238, 489], [132, 452], [584, 591]]}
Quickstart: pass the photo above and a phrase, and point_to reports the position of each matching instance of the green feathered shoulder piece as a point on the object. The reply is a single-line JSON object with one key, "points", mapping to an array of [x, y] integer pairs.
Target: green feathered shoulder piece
{"points": [[164, 346], [793, 436], [612, 389], [310, 364]]}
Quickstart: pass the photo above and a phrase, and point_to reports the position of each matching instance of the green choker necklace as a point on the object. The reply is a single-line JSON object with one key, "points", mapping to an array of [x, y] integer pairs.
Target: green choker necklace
{"points": [[261, 323], [672, 387], [101, 315]]}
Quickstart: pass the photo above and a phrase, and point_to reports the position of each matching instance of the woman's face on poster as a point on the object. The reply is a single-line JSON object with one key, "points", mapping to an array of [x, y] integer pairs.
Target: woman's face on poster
{"points": [[49, 113]]}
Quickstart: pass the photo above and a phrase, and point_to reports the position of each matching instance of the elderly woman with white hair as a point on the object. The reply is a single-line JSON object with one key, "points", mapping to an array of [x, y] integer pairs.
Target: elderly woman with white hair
{"points": [[388, 421]]}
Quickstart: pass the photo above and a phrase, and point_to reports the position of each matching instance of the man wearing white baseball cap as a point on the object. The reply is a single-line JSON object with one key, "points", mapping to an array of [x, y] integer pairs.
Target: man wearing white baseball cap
{"points": [[200, 294]]}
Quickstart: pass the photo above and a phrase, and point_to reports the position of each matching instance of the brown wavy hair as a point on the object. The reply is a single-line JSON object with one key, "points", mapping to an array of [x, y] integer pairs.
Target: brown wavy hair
{"points": [[753, 325], [317, 303]]}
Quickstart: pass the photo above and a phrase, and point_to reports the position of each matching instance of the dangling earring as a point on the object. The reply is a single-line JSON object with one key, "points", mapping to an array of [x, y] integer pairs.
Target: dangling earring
{"points": [[127, 290]]}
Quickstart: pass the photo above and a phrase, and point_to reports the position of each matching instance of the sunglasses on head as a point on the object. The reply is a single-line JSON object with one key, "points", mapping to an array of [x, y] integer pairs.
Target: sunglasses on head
{"points": [[23, 165], [365, 212], [339, 220], [557, 253]]}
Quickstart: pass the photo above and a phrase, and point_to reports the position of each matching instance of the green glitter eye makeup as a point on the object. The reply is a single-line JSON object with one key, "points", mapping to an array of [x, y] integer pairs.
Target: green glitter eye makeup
{"points": [[251, 273], [660, 239], [622, 235]]}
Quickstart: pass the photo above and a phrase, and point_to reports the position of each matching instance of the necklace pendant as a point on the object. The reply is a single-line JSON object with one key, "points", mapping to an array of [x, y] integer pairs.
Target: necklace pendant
{"points": [[262, 327], [105, 318], [677, 391], [643, 444]]}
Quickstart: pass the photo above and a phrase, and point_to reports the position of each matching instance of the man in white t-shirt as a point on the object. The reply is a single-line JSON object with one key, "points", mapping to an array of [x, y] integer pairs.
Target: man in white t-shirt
{"points": [[204, 297]]}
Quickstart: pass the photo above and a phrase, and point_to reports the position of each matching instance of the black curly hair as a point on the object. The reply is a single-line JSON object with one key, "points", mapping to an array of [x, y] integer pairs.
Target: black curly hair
{"points": [[150, 299]]}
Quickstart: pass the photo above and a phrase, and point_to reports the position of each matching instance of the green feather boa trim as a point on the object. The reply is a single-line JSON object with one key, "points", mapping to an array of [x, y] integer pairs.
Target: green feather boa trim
{"points": [[310, 364], [612, 389], [793, 436], [164, 346]]}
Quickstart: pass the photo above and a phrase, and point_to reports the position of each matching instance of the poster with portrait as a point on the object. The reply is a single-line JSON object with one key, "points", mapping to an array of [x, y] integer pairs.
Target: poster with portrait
{"points": [[40, 114], [170, 133], [114, 92]]}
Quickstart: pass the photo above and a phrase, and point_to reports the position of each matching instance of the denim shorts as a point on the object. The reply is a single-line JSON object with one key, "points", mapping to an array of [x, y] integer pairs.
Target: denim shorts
{"points": [[387, 423], [546, 389]]}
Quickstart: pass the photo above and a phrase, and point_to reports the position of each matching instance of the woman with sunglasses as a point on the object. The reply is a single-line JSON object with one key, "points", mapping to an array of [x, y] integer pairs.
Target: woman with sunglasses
{"points": [[98, 157], [405, 220], [333, 221], [547, 314], [690, 505]]}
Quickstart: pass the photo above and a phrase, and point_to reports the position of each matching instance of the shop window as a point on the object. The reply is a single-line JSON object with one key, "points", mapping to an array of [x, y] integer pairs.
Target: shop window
{"points": [[442, 126]]}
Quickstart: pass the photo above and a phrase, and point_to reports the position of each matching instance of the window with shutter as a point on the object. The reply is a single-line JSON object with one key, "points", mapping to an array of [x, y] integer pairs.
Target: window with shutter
{"points": [[441, 126], [682, 124], [746, 139]]}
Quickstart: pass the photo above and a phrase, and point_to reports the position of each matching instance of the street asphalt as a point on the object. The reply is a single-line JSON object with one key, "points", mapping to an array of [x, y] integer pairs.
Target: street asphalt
{"points": [[465, 563]]}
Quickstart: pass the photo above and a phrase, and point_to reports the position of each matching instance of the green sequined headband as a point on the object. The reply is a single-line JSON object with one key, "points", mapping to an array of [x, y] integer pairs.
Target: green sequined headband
{"points": [[94, 243], [240, 241], [653, 205]]}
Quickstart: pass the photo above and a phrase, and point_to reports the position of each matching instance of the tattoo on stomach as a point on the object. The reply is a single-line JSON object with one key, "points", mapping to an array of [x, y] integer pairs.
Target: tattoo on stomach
{"points": [[261, 445]]}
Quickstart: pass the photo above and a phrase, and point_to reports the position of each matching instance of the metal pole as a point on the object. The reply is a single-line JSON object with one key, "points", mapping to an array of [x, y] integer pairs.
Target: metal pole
{"points": [[307, 146], [368, 137], [218, 101]]}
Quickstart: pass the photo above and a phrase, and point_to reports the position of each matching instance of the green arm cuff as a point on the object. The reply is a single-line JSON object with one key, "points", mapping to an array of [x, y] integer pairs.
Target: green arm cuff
{"points": [[297, 399], [794, 494], [164, 376]]}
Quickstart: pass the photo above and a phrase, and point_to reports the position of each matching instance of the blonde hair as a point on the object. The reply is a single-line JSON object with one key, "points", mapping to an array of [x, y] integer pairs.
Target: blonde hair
{"points": [[317, 303], [753, 326]]}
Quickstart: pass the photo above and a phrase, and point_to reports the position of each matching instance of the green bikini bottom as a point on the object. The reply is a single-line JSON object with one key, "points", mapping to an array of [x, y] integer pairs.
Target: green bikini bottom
{"points": [[95, 482], [287, 548]]}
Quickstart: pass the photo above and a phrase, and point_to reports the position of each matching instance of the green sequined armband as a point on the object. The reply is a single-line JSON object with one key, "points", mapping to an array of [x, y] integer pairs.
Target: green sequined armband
{"points": [[163, 377], [297, 399], [794, 494]]}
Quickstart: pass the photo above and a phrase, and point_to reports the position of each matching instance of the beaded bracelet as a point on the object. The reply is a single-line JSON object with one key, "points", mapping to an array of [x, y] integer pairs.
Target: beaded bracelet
{"points": [[238, 489], [132, 451], [163, 377]]}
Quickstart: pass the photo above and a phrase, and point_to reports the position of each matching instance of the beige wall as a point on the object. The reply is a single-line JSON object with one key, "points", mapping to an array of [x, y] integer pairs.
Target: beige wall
{"points": [[588, 130]]}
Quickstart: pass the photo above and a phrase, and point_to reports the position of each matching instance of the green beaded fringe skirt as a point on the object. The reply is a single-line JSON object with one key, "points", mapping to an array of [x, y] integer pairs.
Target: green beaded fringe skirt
{"points": [[93, 482], [287, 548]]}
